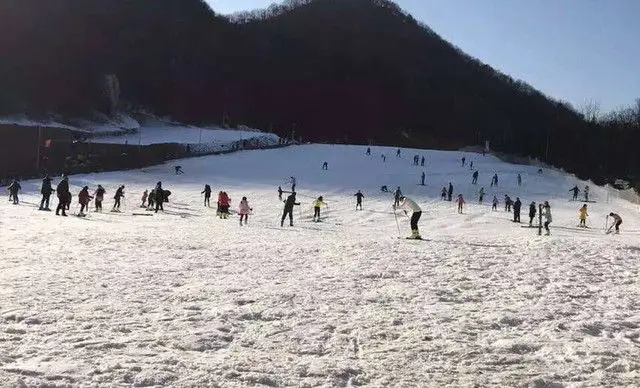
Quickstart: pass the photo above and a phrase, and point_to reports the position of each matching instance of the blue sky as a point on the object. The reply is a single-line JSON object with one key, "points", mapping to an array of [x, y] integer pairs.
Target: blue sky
{"points": [[573, 50]]}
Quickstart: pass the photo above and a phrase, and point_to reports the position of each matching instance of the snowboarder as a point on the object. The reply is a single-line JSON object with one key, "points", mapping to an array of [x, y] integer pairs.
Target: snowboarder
{"points": [[325, 166], [422, 178], [145, 195], [586, 193], [575, 191], [519, 180], [158, 197], [396, 196], [179, 170], [288, 209], [316, 208], [532, 213], [463, 161], [617, 222], [84, 198], [422, 162], [14, 188], [244, 209], [494, 205], [582, 215], [368, 153], [517, 205], [460, 202], [207, 195], [99, 197], [481, 195], [443, 194], [46, 191], [474, 179], [280, 193], [359, 197], [450, 192], [63, 195], [407, 205], [117, 197], [547, 217]]}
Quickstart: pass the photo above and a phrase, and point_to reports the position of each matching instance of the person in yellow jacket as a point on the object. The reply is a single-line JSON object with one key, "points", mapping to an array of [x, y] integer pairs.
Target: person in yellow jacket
{"points": [[583, 215], [316, 208]]}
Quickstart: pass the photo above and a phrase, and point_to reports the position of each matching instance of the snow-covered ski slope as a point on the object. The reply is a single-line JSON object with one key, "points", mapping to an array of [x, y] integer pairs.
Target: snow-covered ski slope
{"points": [[185, 299]]}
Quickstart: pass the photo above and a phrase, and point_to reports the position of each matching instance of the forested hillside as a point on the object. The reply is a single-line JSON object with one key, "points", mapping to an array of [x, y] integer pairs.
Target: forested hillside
{"points": [[330, 70]]}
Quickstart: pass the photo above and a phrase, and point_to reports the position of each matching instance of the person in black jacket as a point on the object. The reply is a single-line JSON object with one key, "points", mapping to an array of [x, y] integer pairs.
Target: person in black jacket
{"points": [[207, 195], [532, 213], [46, 191], [517, 205], [450, 192], [159, 197], [288, 209], [99, 197], [359, 197], [13, 188], [63, 196], [117, 197]]}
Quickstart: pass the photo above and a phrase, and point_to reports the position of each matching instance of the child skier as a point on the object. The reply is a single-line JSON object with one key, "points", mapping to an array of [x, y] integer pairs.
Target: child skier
{"points": [[84, 198], [244, 209], [583, 216], [151, 199], [359, 197], [460, 202], [99, 195], [288, 209], [547, 217], [207, 195], [280, 193], [443, 194], [145, 195], [14, 188], [408, 205], [617, 222], [316, 208], [532, 213]]}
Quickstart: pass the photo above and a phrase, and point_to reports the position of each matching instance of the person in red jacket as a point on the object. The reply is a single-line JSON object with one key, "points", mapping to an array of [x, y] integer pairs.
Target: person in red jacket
{"points": [[224, 202], [84, 198]]}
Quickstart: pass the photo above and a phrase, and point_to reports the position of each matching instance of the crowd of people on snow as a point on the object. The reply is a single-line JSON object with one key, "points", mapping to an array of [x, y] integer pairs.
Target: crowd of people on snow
{"points": [[154, 199]]}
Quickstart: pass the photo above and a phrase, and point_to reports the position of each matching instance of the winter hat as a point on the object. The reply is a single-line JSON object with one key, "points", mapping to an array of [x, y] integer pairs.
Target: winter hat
{"points": [[85, 188], [244, 198], [320, 198]]}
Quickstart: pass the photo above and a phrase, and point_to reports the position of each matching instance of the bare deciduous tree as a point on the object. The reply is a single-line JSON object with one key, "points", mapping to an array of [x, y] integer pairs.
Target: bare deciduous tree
{"points": [[590, 110]]}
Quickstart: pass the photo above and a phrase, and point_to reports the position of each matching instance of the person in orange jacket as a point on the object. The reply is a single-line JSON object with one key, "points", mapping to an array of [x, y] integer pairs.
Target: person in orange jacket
{"points": [[583, 215]]}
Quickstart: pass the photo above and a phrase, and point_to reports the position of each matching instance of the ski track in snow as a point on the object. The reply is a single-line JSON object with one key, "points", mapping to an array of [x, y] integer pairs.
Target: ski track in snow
{"points": [[185, 299]]}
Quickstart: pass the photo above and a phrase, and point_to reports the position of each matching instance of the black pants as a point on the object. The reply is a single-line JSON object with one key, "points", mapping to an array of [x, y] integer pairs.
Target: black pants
{"points": [[207, 200], [83, 207], [159, 206], [546, 225], [62, 205], [359, 204], [516, 216], [44, 203], [284, 215], [449, 197], [245, 216], [618, 226], [117, 204], [414, 220], [15, 197], [316, 212], [531, 217], [98, 205]]}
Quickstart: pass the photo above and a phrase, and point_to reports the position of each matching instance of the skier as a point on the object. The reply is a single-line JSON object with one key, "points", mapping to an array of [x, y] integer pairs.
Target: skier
{"points": [[583, 216], [586, 193], [280, 193], [288, 209], [575, 191], [207, 195], [145, 195], [494, 206], [244, 209], [63, 194], [532, 213], [481, 195], [495, 179], [13, 188], [84, 198], [99, 197], [398, 152], [368, 153], [179, 170], [325, 166], [507, 203], [617, 222], [519, 180], [471, 165], [463, 161], [46, 191], [450, 192], [443, 194], [396, 196], [384, 158], [422, 162], [384, 189], [422, 178], [474, 179], [359, 197], [316, 208], [293, 184], [117, 197], [517, 205], [460, 202], [225, 203], [158, 197], [407, 205], [547, 217]]}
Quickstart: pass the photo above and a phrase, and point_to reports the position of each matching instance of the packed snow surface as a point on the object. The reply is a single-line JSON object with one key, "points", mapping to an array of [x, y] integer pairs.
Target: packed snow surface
{"points": [[185, 299], [182, 135]]}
